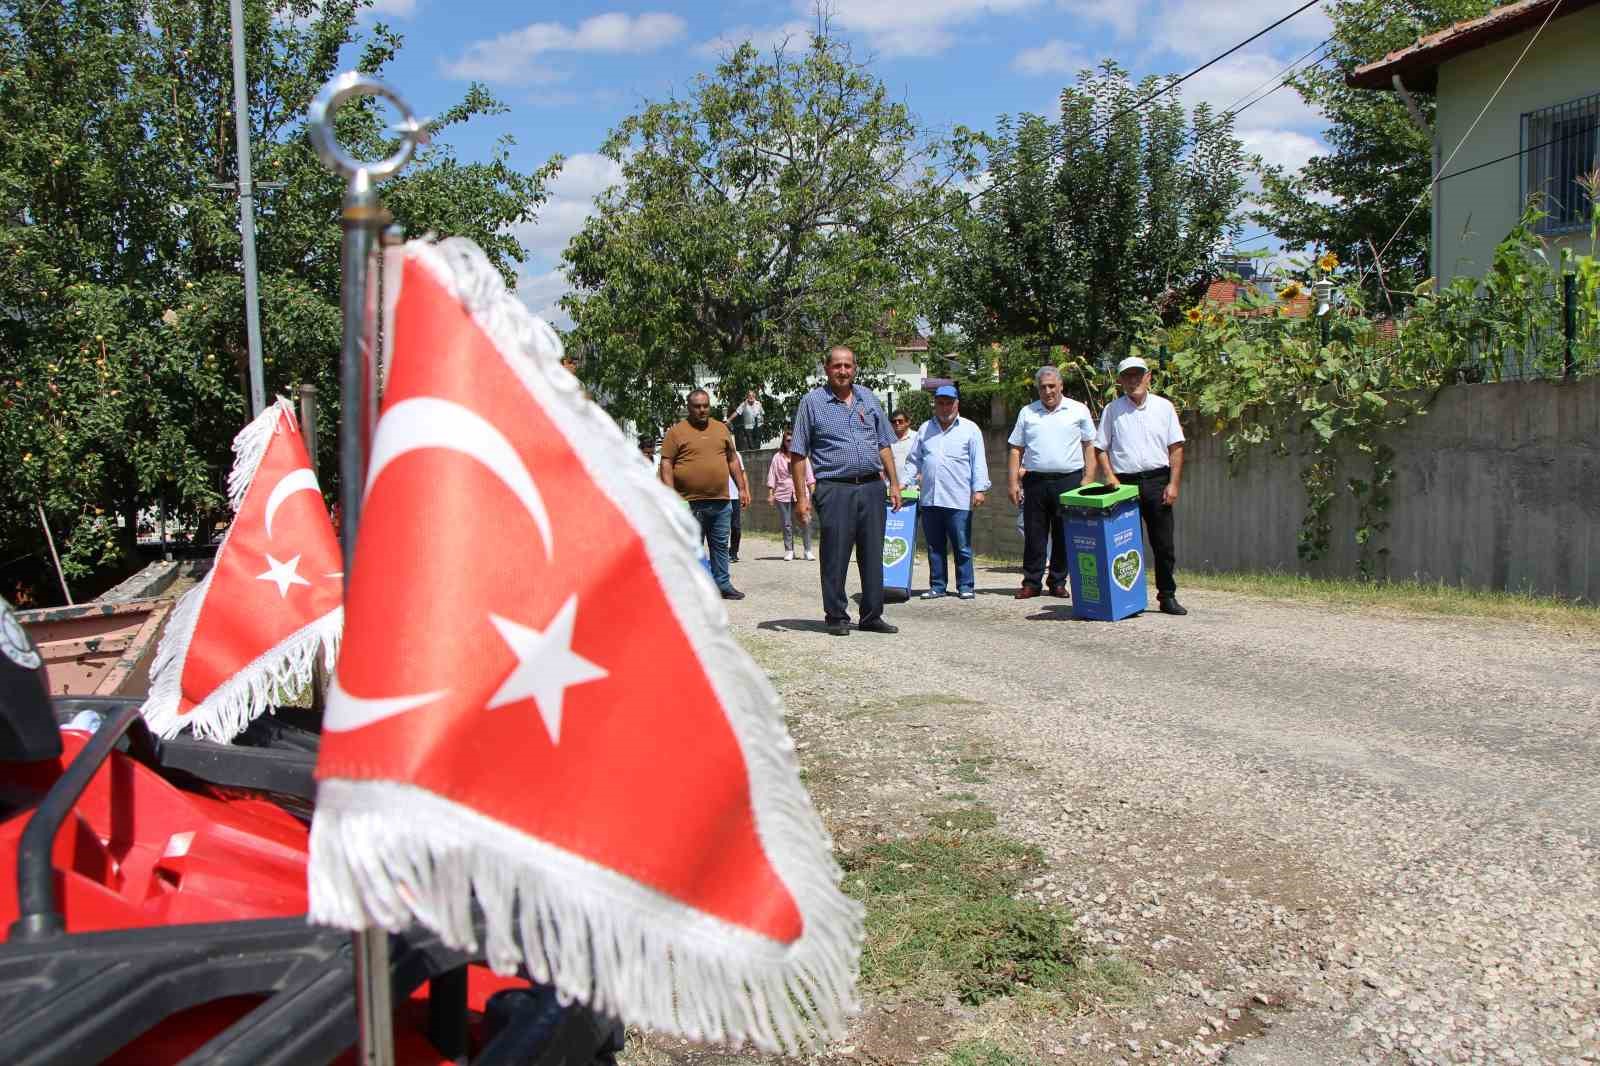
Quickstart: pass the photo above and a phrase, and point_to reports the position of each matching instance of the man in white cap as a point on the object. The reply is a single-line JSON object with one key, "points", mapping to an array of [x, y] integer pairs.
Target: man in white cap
{"points": [[1141, 442]]}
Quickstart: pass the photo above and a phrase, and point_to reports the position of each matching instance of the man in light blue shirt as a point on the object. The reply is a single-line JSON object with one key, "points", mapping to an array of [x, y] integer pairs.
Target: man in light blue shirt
{"points": [[1054, 441], [948, 460]]}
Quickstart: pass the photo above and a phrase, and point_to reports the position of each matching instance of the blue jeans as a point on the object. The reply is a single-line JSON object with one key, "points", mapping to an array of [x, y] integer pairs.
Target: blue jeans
{"points": [[716, 519], [948, 527]]}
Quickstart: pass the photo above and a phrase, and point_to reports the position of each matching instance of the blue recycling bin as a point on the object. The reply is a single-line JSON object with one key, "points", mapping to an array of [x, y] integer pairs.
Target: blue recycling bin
{"points": [[1105, 552], [900, 547]]}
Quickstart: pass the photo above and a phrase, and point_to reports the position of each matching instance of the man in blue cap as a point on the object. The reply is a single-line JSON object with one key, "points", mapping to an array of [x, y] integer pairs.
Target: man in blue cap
{"points": [[948, 460]]}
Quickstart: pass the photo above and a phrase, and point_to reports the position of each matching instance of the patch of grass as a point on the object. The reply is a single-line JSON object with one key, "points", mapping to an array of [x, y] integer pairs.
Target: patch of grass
{"points": [[965, 797], [1418, 596], [1421, 597], [967, 819], [982, 1053], [943, 917], [970, 767]]}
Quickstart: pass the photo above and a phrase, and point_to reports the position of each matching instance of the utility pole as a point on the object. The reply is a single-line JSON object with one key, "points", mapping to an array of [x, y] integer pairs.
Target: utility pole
{"points": [[247, 213]]}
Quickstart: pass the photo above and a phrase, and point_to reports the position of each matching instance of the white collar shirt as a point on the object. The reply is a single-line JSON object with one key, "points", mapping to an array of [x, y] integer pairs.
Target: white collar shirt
{"points": [[1136, 437], [950, 462], [1052, 441]]}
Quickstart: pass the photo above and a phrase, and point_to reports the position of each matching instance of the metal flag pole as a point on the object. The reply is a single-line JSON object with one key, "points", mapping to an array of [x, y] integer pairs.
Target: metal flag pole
{"points": [[247, 213], [362, 217]]}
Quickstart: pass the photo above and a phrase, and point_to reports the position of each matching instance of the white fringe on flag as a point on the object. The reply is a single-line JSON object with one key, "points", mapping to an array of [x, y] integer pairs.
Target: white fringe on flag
{"points": [[385, 854], [281, 672]]}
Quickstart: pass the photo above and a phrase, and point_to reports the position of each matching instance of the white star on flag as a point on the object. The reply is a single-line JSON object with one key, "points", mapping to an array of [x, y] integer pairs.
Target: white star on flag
{"points": [[283, 574], [546, 665]]}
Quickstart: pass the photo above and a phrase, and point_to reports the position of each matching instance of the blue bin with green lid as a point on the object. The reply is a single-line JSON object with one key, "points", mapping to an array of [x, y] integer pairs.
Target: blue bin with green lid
{"points": [[1105, 551]]}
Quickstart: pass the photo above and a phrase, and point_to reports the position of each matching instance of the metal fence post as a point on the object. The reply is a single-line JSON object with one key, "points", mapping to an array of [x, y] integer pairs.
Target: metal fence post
{"points": [[1569, 299]]}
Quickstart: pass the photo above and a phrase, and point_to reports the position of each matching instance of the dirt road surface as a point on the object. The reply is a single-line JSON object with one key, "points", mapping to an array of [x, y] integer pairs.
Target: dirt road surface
{"points": [[1321, 835]]}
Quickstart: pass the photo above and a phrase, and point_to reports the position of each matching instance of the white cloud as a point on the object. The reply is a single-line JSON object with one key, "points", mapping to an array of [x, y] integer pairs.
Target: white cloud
{"points": [[514, 57], [765, 38], [1195, 28], [397, 8], [923, 27], [1121, 16], [542, 291], [1245, 76], [1285, 148], [583, 177], [1052, 57]]}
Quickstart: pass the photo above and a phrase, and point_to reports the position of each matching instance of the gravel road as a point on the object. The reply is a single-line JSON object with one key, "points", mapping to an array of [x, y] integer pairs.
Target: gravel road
{"points": [[1327, 835]]}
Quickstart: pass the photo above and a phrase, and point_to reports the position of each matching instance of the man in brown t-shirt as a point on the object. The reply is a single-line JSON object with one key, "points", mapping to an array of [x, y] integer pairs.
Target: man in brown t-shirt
{"points": [[697, 460]]}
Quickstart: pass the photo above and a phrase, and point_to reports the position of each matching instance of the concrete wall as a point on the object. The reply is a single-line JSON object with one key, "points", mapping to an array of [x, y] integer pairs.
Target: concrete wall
{"points": [[1475, 211], [1497, 486]]}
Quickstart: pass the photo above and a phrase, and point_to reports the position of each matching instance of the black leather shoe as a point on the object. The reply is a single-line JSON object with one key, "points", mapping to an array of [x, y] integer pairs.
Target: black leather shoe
{"points": [[879, 626], [1170, 605], [839, 629], [731, 593]]}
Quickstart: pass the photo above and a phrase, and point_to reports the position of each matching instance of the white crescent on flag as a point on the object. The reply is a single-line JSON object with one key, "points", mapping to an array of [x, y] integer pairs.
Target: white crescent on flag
{"points": [[345, 712], [302, 480], [429, 422]]}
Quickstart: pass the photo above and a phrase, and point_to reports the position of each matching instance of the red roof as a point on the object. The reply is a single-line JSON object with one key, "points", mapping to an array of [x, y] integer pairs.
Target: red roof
{"points": [[1225, 295], [1418, 64]]}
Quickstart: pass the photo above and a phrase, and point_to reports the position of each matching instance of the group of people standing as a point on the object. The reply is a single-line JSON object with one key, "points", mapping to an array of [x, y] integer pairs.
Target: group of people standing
{"points": [[843, 457]]}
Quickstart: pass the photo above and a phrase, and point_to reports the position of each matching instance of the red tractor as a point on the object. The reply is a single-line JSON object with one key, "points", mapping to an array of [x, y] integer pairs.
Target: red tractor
{"points": [[153, 895]]}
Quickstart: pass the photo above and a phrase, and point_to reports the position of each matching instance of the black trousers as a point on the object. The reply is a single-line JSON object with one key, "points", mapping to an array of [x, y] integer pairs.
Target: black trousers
{"points": [[1043, 527], [1158, 528], [734, 530], [850, 517]]}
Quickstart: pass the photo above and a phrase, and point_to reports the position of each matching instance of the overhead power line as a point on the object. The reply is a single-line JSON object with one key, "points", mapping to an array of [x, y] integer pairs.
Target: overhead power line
{"points": [[979, 194], [1502, 158]]}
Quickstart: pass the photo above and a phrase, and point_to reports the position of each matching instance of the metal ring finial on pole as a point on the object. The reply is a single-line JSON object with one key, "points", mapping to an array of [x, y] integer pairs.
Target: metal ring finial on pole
{"points": [[326, 141], [361, 216]]}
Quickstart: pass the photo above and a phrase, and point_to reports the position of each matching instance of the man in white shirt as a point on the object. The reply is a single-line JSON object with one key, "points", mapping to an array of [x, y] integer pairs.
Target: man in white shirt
{"points": [[1141, 442], [901, 446], [746, 421], [1054, 440], [947, 455]]}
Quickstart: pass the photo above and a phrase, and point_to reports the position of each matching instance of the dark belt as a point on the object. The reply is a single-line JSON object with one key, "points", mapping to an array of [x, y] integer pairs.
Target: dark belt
{"points": [[862, 480], [1147, 475], [1052, 473]]}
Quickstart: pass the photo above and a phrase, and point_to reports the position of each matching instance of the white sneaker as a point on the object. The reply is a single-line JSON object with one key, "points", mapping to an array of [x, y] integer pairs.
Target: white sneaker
{"points": [[788, 557], [811, 557]]}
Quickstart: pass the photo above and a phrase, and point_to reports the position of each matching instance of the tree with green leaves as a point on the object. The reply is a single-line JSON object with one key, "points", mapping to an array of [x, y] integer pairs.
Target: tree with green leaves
{"points": [[1095, 224], [121, 295], [1355, 199], [771, 212]]}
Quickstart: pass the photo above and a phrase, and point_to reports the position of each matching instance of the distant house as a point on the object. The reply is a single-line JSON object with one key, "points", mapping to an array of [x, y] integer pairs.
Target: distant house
{"points": [[1224, 296], [1538, 138]]}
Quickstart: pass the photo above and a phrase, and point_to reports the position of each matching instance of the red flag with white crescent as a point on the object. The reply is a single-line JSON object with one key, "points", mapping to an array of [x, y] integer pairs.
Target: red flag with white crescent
{"points": [[250, 632], [538, 704]]}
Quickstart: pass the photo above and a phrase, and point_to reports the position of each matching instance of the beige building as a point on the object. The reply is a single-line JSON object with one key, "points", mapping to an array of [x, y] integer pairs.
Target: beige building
{"points": [[1539, 137]]}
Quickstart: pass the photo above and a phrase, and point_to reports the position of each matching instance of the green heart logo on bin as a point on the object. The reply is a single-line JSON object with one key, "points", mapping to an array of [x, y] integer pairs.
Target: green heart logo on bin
{"points": [[1125, 568], [894, 549]]}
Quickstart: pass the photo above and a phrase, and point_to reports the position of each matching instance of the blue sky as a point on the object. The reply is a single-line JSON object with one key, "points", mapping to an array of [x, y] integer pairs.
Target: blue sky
{"points": [[570, 72]]}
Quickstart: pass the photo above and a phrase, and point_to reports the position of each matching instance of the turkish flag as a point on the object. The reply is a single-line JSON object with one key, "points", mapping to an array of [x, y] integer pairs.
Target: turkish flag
{"points": [[538, 704], [250, 632]]}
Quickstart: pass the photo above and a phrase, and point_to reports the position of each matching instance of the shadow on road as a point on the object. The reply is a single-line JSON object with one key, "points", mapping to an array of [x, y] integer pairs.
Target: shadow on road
{"points": [[794, 625]]}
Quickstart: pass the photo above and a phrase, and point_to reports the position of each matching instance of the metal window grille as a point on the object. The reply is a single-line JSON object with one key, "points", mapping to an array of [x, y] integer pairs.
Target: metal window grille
{"points": [[1561, 147]]}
